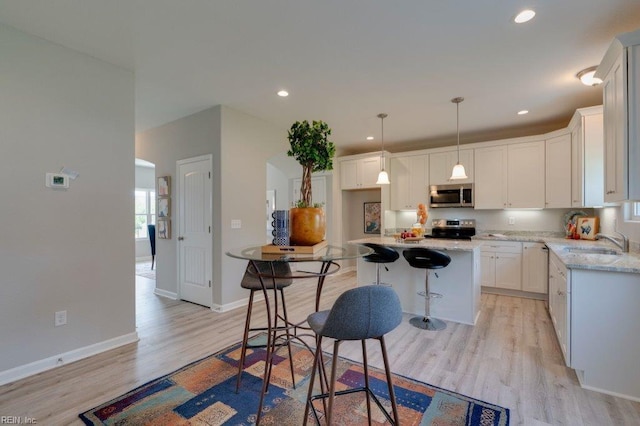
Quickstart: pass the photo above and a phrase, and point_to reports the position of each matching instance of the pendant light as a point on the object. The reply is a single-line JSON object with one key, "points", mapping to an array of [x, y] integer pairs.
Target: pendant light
{"points": [[458, 170], [383, 176]]}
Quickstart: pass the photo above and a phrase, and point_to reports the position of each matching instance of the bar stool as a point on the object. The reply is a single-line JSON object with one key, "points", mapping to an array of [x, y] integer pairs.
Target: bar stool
{"points": [[362, 313], [380, 256], [251, 282], [427, 259]]}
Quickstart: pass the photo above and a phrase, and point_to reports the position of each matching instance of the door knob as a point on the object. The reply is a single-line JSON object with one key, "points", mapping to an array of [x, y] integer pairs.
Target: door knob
{"points": [[180, 238]]}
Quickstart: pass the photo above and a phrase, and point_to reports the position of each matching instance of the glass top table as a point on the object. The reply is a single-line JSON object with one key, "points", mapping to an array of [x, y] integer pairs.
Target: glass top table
{"points": [[279, 329], [329, 253]]}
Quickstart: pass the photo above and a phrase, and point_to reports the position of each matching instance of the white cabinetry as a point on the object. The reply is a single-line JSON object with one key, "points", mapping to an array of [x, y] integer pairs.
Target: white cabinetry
{"points": [[605, 331], [558, 172], [501, 264], [620, 72], [587, 167], [535, 261], [409, 181], [525, 185], [359, 173], [441, 164], [560, 304], [510, 176]]}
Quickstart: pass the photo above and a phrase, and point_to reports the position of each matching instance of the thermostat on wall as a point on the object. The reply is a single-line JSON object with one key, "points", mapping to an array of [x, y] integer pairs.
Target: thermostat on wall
{"points": [[56, 180]]}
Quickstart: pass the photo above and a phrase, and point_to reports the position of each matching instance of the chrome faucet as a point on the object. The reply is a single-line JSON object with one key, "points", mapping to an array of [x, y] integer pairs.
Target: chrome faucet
{"points": [[623, 242]]}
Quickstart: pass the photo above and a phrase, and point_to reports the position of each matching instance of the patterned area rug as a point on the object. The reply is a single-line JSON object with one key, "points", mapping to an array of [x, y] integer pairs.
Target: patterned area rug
{"points": [[203, 393], [144, 270]]}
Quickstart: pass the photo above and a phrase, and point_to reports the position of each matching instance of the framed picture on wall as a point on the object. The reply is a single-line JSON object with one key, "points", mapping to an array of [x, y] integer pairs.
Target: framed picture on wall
{"points": [[163, 227], [164, 186], [588, 227], [164, 207], [372, 218]]}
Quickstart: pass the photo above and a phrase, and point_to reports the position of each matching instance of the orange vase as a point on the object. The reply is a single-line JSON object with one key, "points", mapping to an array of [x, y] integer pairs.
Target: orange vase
{"points": [[307, 226]]}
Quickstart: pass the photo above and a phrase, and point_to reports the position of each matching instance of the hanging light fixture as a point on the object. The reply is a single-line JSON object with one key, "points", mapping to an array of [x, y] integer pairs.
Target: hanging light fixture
{"points": [[458, 170], [383, 176]]}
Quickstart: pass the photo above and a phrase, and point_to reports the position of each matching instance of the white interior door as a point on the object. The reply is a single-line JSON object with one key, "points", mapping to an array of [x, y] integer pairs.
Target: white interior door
{"points": [[194, 230]]}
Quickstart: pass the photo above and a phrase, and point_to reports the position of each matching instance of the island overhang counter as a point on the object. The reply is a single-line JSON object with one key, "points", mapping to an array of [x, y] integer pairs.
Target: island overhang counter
{"points": [[458, 283]]}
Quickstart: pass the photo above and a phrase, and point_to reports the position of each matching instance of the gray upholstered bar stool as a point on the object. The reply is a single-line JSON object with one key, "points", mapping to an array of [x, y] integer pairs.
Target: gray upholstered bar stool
{"points": [[251, 282], [361, 313], [380, 256], [427, 259]]}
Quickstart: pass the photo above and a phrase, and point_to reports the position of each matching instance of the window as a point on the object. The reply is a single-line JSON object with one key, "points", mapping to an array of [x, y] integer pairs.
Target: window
{"points": [[145, 209], [635, 211]]}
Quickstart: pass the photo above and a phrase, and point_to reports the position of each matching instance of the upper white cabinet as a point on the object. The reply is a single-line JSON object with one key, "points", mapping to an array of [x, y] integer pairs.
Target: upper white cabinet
{"points": [[409, 181], [525, 186], [587, 166], [620, 72], [491, 177], [558, 172], [359, 173], [441, 164], [510, 176]]}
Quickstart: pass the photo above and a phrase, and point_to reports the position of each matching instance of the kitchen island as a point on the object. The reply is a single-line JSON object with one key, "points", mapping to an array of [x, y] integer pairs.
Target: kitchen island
{"points": [[458, 283]]}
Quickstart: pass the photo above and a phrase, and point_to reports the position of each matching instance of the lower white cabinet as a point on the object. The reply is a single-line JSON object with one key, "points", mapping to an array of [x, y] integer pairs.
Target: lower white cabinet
{"points": [[560, 304], [535, 259], [501, 264]]}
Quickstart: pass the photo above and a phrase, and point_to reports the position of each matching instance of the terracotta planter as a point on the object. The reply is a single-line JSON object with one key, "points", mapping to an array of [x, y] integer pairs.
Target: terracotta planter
{"points": [[306, 226]]}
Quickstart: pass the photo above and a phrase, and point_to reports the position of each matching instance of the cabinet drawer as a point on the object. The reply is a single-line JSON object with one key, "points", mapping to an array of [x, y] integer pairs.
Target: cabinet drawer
{"points": [[502, 247]]}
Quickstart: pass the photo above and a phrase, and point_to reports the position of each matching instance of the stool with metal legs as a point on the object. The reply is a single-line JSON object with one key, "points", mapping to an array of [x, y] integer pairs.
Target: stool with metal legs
{"points": [[427, 259], [251, 282], [380, 256], [361, 313]]}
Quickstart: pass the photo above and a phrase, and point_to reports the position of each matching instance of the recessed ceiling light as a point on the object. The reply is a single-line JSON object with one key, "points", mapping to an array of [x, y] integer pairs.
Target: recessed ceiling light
{"points": [[283, 93], [523, 112], [369, 138], [587, 78], [524, 16]]}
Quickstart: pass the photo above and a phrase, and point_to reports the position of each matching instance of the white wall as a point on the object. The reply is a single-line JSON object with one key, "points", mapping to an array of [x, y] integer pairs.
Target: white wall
{"points": [[613, 219], [192, 136], [247, 143], [278, 181], [241, 146], [63, 249]]}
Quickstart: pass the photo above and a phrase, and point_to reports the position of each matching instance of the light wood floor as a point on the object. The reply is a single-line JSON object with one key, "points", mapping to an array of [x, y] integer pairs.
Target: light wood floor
{"points": [[510, 358]]}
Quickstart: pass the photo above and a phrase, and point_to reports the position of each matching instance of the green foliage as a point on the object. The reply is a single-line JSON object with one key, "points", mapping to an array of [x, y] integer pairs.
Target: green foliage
{"points": [[310, 145]]}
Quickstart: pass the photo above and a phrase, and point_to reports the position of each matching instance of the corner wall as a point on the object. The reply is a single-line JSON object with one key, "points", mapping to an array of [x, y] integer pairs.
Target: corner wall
{"points": [[63, 249]]}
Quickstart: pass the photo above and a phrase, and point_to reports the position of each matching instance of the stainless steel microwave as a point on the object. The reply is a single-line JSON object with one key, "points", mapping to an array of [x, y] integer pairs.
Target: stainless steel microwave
{"points": [[453, 195]]}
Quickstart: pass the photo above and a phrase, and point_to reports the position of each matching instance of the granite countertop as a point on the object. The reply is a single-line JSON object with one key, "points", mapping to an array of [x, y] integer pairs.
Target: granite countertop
{"points": [[458, 245], [621, 262]]}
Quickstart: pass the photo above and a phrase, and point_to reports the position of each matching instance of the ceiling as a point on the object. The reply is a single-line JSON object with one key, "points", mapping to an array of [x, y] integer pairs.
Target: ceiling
{"points": [[346, 61]]}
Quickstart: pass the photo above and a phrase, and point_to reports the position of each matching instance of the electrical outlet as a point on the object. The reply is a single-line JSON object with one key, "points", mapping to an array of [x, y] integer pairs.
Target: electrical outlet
{"points": [[60, 318], [512, 220]]}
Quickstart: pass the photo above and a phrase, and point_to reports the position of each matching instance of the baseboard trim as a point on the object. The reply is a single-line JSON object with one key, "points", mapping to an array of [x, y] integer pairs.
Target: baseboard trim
{"points": [[514, 293], [237, 304], [164, 293], [51, 362]]}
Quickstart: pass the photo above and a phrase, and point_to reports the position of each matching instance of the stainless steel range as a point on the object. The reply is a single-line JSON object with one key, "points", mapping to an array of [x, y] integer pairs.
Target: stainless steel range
{"points": [[456, 229]]}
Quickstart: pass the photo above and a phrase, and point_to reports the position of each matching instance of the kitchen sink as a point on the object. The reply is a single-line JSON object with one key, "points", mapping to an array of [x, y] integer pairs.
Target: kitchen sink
{"points": [[593, 250]]}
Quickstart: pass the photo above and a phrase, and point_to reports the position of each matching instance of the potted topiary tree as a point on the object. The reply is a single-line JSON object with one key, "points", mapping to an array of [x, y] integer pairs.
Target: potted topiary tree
{"points": [[311, 147]]}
